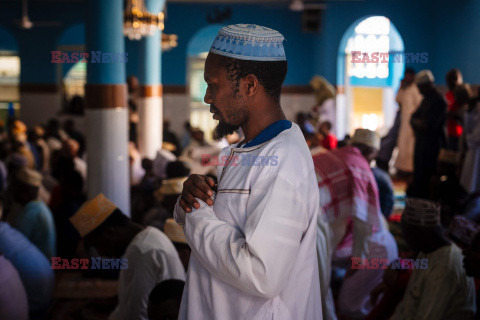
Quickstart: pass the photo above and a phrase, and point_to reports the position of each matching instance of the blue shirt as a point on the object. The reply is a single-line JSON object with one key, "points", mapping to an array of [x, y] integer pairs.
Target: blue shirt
{"points": [[385, 190], [32, 266], [35, 221]]}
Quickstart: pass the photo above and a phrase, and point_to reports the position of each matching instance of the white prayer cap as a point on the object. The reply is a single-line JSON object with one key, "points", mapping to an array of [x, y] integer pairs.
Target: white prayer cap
{"points": [[424, 77], [421, 212], [30, 177], [249, 42], [174, 231], [366, 137]]}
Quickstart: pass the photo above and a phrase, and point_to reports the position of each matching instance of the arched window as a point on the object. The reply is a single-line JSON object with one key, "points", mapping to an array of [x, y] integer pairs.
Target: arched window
{"points": [[369, 74]]}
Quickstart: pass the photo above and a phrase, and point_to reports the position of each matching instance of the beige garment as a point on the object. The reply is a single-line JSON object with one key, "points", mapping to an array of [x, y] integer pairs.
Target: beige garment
{"points": [[440, 292], [409, 99], [324, 256]]}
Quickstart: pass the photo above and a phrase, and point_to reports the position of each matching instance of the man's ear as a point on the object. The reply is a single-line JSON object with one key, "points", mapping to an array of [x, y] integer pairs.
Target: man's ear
{"points": [[252, 85]]}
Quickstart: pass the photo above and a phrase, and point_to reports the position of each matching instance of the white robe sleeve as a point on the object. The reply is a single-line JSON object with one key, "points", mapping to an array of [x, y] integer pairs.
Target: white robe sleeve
{"points": [[257, 260], [179, 213], [362, 233]]}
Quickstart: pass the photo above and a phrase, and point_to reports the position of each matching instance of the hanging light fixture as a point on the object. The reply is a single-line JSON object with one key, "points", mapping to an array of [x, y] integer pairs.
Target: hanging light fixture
{"points": [[138, 22], [169, 41]]}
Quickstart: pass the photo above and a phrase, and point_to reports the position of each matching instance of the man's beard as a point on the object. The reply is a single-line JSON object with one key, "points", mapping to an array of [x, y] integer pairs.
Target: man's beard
{"points": [[224, 129]]}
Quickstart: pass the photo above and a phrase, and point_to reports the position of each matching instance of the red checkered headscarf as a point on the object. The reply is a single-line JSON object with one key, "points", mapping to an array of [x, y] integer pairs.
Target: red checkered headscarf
{"points": [[347, 186]]}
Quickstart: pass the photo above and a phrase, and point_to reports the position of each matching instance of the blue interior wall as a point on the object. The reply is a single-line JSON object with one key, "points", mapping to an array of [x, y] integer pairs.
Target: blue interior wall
{"points": [[411, 18], [186, 19], [448, 30]]}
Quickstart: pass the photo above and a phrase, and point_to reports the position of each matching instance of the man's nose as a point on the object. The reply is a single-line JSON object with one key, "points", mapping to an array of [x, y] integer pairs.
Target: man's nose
{"points": [[208, 97]]}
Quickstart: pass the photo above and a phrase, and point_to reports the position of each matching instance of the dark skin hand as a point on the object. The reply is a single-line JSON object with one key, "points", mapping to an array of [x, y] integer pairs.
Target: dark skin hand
{"points": [[196, 186]]}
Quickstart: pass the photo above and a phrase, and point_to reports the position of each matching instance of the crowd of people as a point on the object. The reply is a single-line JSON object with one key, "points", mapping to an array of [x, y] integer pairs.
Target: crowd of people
{"points": [[308, 236]]}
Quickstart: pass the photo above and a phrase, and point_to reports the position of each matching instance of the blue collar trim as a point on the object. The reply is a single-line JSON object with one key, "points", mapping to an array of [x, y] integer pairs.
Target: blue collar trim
{"points": [[269, 133]]}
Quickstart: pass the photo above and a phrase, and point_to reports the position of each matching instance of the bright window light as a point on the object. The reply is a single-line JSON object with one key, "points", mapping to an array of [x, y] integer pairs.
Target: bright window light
{"points": [[374, 25]]}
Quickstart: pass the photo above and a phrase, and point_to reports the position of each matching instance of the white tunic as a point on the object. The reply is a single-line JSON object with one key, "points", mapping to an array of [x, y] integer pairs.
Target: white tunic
{"points": [[253, 252], [152, 258], [409, 100], [440, 292]]}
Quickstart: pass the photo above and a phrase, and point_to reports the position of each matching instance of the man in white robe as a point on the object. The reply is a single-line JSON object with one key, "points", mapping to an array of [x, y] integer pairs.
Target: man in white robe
{"points": [[253, 240], [408, 99]]}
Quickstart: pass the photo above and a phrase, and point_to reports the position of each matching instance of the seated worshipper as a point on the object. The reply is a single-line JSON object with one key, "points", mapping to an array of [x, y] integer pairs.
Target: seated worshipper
{"points": [[390, 292], [175, 233], [349, 192], [19, 142], [71, 200], [151, 256], [385, 191], [445, 186], [197, 151], [170, 137], [135, 163], [13, 299], [164, 300], [41, 145], [253, 237], [163, 157], [313, 143], [428, 125], [150, 182], [34, 219], [167, 194], [34, 269], [329, 141], [442, 290], [303, 121]]}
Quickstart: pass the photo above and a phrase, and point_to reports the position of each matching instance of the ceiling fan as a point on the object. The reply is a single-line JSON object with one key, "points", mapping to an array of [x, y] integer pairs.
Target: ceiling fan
{"points": [[25, 23]]}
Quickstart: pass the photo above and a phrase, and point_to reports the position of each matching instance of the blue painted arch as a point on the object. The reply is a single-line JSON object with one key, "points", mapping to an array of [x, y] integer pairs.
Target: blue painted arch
{"points": [[202, 40], [7, 41]]}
